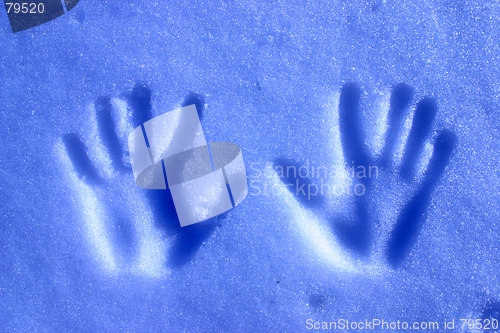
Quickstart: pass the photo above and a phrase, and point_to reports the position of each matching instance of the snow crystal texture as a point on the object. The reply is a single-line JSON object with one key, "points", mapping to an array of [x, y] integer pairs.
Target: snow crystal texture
{"points": [[370, 135]]}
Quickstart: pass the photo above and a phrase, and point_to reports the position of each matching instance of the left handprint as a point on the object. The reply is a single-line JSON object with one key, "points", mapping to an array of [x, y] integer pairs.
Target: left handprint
{"points": [[129, 228]]}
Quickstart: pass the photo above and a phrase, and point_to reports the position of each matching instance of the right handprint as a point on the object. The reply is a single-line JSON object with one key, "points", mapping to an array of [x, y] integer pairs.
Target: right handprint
{"points": [[377, 178], [356, 234]]}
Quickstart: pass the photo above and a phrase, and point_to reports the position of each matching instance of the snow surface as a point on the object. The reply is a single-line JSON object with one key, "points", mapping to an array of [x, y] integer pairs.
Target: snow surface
{"points": [[83, 256]]}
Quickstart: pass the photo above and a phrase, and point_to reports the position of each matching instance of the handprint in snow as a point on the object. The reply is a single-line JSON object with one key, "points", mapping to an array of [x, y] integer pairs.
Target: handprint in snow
{"points": [[355, 232], [127, 233]]}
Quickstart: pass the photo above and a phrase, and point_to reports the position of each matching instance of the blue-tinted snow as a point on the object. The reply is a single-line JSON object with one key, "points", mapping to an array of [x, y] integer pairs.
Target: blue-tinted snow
{"points": [[85, 255]]}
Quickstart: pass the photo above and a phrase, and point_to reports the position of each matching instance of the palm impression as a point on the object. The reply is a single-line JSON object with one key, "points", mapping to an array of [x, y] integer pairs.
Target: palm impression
{"points": [[369, 224], [129, 229]]}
